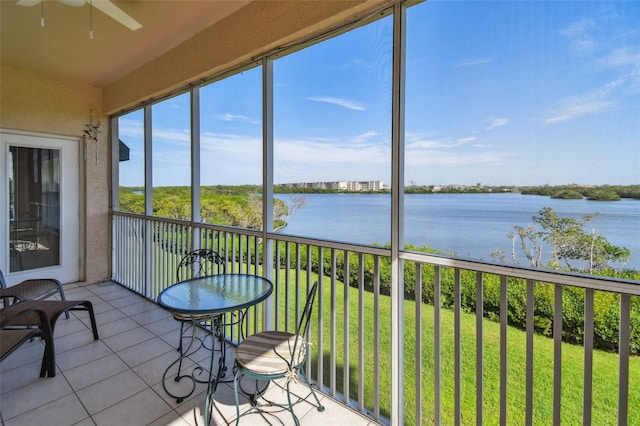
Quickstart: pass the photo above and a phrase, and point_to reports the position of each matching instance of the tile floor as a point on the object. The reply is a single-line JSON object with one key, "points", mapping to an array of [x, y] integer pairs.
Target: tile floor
{"points": [[117, 380]]}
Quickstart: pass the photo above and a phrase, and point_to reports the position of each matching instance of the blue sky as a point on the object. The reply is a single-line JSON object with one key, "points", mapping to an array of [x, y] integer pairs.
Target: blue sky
{"points": [[504, 92]]}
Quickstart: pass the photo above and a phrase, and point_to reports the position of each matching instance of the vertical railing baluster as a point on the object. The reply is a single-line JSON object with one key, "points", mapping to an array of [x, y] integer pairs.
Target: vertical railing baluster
{"points": [[333, 325], [529, 357], [588, 357], [257, 271], [119, 263], [437, 337], [479, 348], [287, 286], [309, 284], [457, 347], [361, 341], [418, 343], [623, 353], [298, 284], [234, 252], [241, 251], [345, 330], [256, 254], [557, 354], [276, 290], [376, 338], [504, 323], [171, 241], [320, 301]]}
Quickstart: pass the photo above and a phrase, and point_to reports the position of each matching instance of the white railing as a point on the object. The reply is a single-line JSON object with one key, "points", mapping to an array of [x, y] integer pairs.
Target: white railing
{"points": [[449, 345]]}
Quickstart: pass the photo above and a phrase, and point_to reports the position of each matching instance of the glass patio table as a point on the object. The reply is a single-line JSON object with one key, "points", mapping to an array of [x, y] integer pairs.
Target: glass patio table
{"points": [[204, 301]]}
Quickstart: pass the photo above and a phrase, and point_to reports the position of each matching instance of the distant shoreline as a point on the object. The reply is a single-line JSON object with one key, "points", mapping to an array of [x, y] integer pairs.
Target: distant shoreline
{"points": [[595, 193]]}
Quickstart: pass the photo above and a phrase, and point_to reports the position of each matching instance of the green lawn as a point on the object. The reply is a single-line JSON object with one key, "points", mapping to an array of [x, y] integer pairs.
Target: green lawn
{"points": [[605, 381]]}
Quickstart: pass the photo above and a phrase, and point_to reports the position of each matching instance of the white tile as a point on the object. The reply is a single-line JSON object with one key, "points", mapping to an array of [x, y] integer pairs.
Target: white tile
{"points": [[100, 305], [141, 305], [139, 409], [145, 351], [72, 341], [106, 317], [28, 352], [95, 371], [22, 375], [128, 338], [185, 389], [77, 293], [111, 391], [148, 317], [71, 326], [82, 355], [109, 290], [164, 326], [85, 422], [127, 300], [152, 371], [30, 397], [116, 327], [174, 419], [68, 411], [334, 413]]}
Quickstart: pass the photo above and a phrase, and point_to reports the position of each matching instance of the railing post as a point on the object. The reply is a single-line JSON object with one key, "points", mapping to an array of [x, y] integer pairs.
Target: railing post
{"points": [[267, 184], [397, 200]]}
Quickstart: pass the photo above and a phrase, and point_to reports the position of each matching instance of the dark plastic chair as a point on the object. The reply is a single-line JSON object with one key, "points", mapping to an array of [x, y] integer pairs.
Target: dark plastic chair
{"points": [[40, 289], [13, 335], [24, 315], [272, 355]]}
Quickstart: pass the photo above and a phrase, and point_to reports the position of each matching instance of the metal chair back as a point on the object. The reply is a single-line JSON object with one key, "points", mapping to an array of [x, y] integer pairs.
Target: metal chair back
{"points": [[200, 263], [298, 356]]}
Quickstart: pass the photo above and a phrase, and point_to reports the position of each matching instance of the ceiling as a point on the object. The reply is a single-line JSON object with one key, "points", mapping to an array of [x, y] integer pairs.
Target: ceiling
{"points": [[63, 48]]}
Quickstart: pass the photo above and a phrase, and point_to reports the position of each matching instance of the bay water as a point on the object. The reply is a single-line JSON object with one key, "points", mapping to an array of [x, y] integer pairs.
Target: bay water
{"points": [[466, 225]]}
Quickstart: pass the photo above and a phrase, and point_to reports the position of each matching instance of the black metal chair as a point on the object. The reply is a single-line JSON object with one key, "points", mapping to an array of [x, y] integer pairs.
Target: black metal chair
{"points": [[272, 355], [37, 289], [198, 263]]}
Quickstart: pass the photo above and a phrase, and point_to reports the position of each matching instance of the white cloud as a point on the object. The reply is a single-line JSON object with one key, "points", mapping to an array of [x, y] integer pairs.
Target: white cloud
{"points": [[236, 117], [416, 142], [621, 57], [579, 35], [449, 152], [466, 140], [473, 62], [597, 101], [573, 108], [605, 45], [497, 122], [345, 103], [365, 136], [440, 158]]}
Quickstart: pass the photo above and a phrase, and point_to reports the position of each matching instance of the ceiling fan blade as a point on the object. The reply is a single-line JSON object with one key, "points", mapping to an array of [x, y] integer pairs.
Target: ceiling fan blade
{"points": [[28, 3], [74, 3], [113, 11]]}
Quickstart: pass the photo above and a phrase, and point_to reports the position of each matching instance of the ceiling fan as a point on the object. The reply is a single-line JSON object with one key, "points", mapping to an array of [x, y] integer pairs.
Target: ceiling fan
{"points": [[105, 6]]}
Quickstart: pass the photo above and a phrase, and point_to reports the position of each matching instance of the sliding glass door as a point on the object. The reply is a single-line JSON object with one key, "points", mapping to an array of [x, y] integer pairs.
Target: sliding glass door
{"points": [[41, 210]]}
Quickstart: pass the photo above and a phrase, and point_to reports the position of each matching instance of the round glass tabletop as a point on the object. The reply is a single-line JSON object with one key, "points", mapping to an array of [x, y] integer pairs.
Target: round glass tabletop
{"points": [[215, 294]]}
